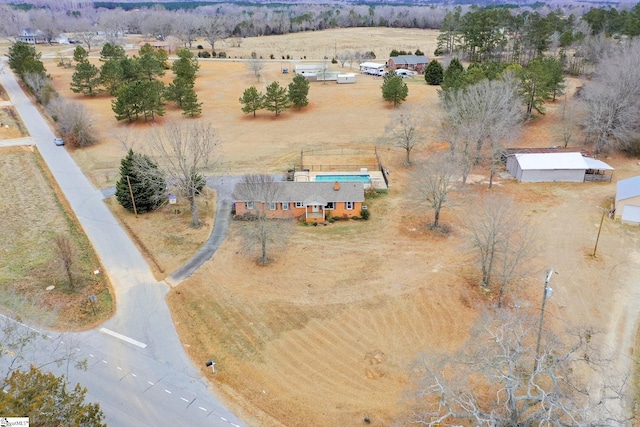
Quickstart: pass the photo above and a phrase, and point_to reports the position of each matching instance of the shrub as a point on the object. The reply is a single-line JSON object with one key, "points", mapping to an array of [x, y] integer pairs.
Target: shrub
{"points": [[365, 214], [272, 56], [204, 54], [74, 122], [418, 52], [334, 61], [200, 47], [213, 54], [371, 54], [222, 54]]}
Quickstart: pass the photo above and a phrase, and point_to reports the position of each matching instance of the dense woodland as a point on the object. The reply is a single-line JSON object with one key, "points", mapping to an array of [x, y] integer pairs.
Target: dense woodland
{"points": [[247, 20]]}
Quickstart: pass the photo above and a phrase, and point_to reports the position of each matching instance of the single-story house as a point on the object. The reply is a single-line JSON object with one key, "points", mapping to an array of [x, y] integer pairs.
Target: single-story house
{"points": [[373, 68], [408, 62], [552, 167], [628, 200], [306, 201]]}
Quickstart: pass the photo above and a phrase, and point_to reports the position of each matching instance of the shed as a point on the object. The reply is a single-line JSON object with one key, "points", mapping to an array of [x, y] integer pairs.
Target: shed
{"points": [[346, 78], [547, 167], [627, 196]]}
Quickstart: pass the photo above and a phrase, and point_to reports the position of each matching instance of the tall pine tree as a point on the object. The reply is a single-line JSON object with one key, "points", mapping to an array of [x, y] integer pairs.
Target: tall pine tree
{"points": [[148, 185], [276, 99], [298, 91]]}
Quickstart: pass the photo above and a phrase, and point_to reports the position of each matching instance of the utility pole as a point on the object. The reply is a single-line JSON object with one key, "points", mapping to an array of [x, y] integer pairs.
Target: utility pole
{"points": [[133, 200], [545, 294], [595, 248]]}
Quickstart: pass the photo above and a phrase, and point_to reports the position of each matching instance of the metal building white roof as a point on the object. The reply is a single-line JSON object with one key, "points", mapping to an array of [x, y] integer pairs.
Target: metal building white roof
{"points": [[597, 164], [631, 213], [627, 188], [551, 161]]}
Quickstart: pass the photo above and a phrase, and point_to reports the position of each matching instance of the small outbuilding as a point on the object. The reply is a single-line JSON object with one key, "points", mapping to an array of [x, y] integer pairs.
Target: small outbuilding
{"points": [[628, 200], [553, 167], [346, 78]]}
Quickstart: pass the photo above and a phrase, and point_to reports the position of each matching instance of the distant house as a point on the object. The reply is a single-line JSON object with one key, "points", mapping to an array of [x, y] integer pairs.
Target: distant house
{"points": [[305, 201], [31, 36], [561, 167], [408, 62], [628, 200]]}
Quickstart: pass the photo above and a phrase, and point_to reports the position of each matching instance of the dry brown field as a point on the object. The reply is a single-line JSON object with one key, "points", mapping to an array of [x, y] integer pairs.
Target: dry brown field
{"points": [[328, 332], [29, 264]]}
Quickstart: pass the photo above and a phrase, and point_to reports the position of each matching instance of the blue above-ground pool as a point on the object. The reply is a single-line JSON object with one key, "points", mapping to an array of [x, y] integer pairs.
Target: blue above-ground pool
{"points": [[366, 179]]}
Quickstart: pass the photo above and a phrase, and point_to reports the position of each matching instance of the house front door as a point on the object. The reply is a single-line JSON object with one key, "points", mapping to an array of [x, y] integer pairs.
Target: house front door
{"points": [[315, 209]]}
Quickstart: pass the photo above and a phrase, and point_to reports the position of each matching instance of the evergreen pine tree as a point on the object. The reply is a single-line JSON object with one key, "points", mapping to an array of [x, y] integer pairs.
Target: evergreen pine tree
{"points": [[394, 89], [298, 91], [147, 183], [86, 78], [276, 99], [454, 75], [251, 100], [434, 73], [190, 105]]}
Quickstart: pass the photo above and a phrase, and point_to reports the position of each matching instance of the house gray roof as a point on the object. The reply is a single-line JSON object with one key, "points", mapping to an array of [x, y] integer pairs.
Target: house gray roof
{"points": [[410, 59], [307, 192], [627, 188]]}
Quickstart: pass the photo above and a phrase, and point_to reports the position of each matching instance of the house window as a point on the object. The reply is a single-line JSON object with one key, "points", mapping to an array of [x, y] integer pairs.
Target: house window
{"points": [[249, 205], [331, 205], [299, 205], [273, 206], [285, 206], [348, 205]]}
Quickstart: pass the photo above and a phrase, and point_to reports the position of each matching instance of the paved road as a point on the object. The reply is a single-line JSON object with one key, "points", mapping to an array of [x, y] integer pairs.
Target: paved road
{"points": [[141, 374]]}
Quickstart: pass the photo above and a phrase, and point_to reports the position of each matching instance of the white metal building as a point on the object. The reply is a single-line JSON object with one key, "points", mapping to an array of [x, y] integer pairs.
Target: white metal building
{"points": [[551, 167], [628, 200]]}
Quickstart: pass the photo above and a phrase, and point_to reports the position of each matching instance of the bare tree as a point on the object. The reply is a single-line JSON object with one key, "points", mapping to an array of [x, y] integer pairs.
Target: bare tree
{"points": [[568, 121], [40, 85], [185, 152], [12, 21], [255, 65], [611, 100], [73, 121], [496, 381], [213, 30], [188, 27], [406, 130], [502, 238], [66, 255], [344, 57], [263, 231], [433, 180], [487, 115]]}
